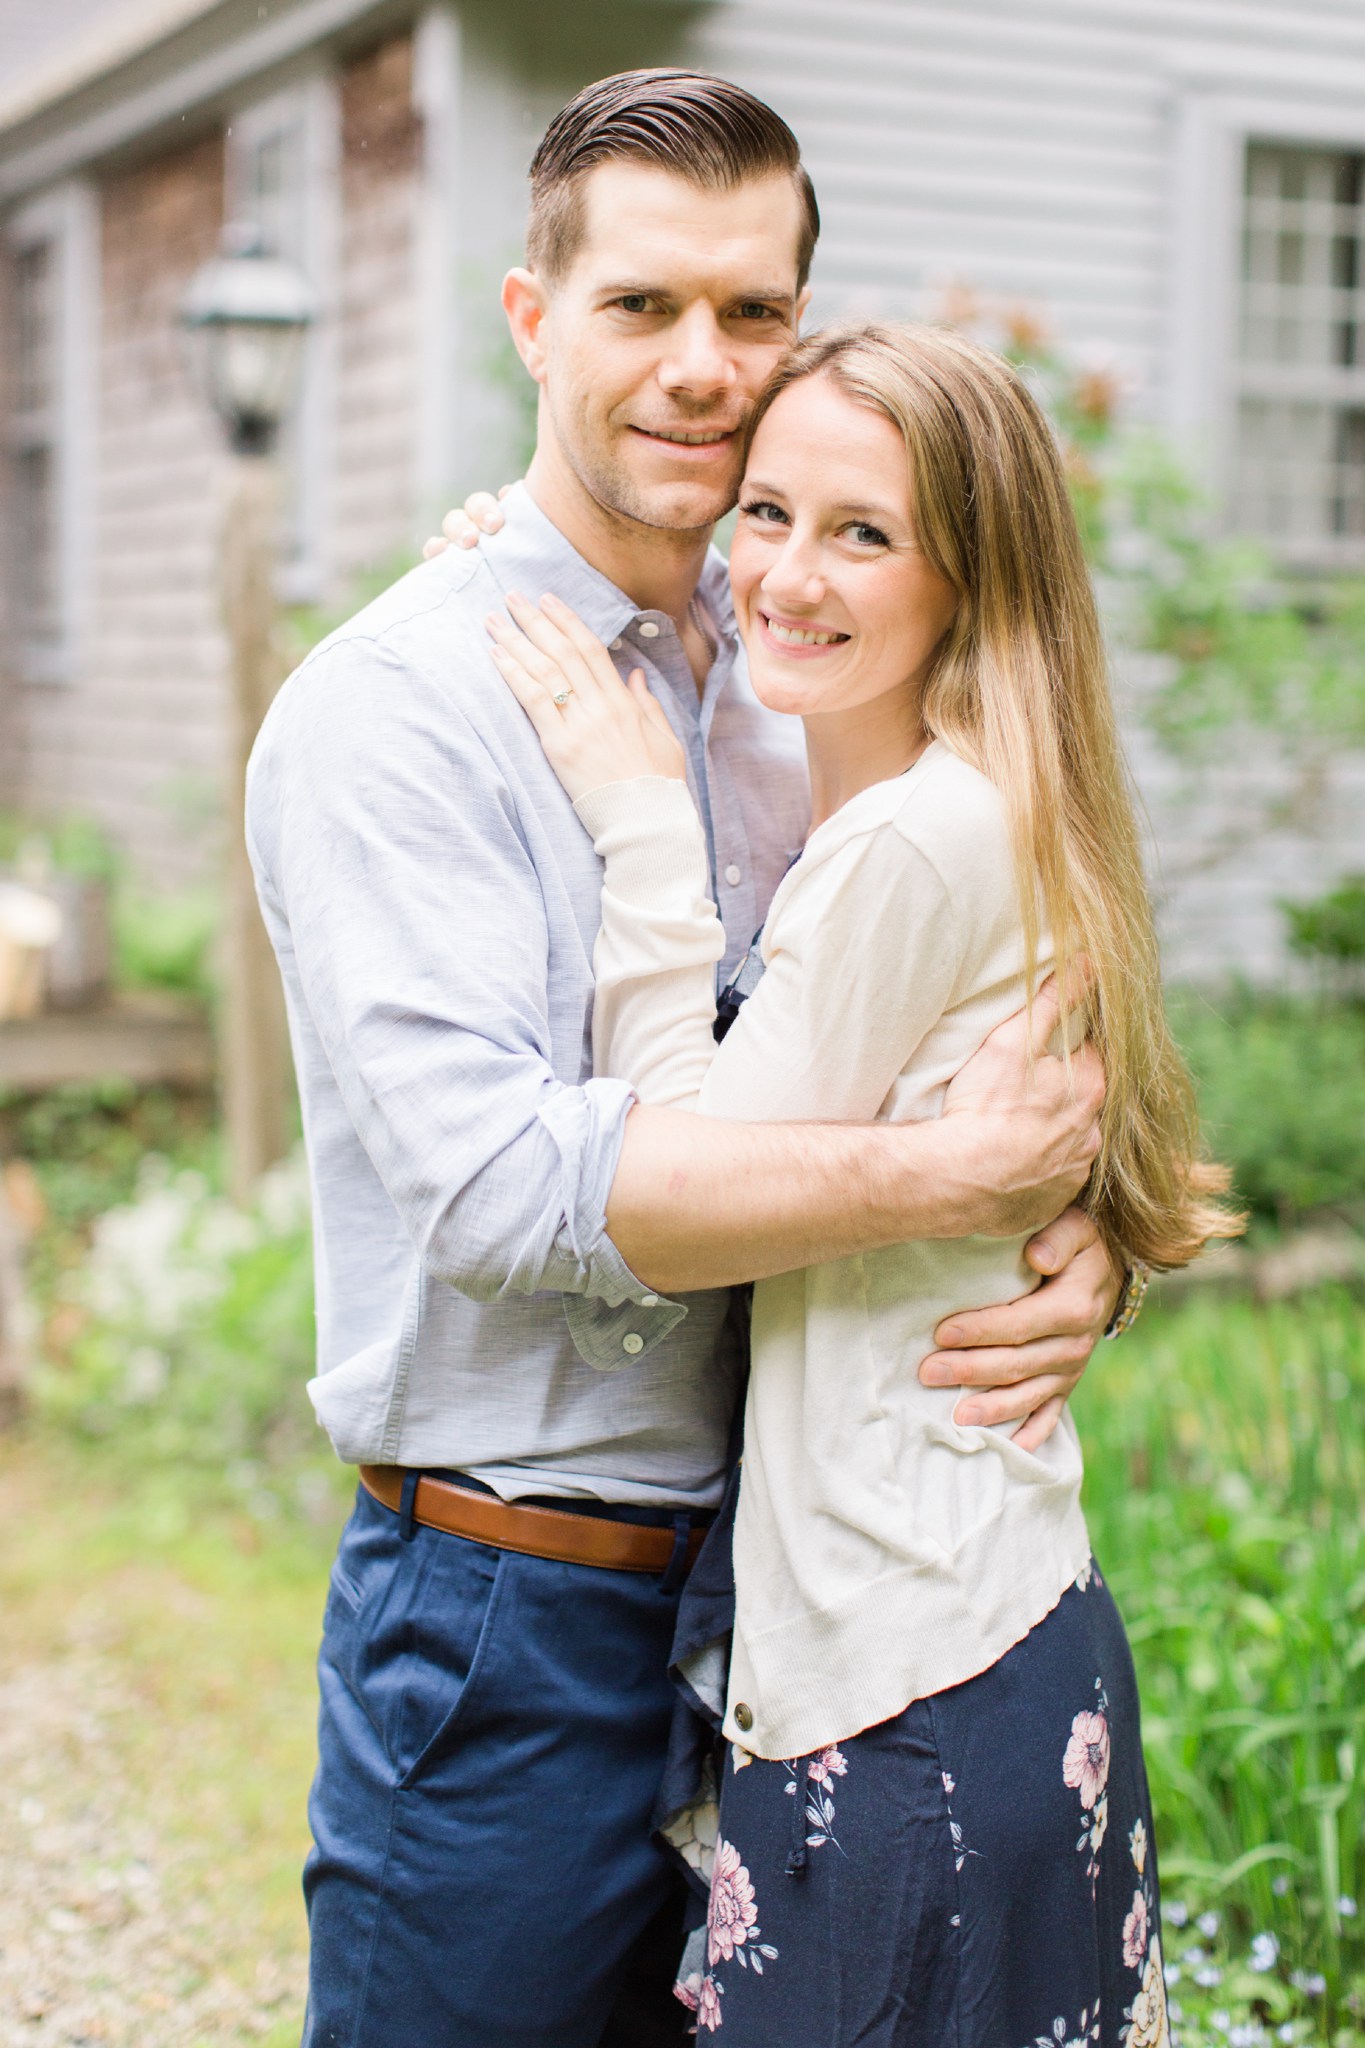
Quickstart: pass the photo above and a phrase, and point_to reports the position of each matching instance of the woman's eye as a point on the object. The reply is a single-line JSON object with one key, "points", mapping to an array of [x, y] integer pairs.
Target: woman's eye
{"points": [[764, 510], [868, 536]]}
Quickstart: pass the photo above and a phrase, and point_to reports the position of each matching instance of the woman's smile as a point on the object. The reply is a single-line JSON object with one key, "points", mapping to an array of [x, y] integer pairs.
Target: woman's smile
{"points": [[799, 637]]}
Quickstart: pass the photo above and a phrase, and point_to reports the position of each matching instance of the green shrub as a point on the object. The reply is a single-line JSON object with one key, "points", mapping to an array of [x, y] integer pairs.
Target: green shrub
{"points": [[1281, 1086], [1225, 1451], [165, 940], [189, 1333]]}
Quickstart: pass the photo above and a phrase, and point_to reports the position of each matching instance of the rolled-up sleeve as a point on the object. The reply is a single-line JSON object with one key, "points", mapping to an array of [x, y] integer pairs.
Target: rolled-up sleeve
{"points": [[387, 844]]}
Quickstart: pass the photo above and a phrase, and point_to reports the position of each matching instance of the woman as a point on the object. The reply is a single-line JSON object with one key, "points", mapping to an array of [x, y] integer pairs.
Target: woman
{"points": [[935, 1824]]}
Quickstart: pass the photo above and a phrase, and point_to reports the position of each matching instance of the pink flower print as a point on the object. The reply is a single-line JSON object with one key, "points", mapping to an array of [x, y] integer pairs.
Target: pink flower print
{"points": [[1085, 1767], [830, 1763], [708, 2005], [1135, 1934], [732, 1911]]}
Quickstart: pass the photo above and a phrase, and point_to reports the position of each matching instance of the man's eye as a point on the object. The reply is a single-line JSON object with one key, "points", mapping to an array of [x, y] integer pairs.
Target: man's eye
{"points": [[754, 309], [764, 510], [633, 302]]}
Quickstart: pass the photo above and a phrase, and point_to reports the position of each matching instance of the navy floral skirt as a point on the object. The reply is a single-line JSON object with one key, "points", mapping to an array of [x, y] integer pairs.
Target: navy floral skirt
{"points": [[978, 1872]]}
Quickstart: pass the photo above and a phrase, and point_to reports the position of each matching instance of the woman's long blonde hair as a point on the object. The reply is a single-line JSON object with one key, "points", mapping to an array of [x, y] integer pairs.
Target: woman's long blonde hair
{"points": [[1020, 689]]}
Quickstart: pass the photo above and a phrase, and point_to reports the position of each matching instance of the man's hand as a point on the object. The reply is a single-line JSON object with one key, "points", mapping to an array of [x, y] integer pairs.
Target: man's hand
{"points": [[1020, 1126], [1023, 1359], [480, 513]]}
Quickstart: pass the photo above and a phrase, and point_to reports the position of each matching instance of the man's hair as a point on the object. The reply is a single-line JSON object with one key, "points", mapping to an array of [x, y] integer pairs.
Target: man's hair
{"points": [[704, 129]]}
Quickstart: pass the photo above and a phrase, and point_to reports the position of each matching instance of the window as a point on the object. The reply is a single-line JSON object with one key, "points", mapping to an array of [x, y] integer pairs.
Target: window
{"points": [[282, 180], [52, 258], [1299, 469], [34, 438]]}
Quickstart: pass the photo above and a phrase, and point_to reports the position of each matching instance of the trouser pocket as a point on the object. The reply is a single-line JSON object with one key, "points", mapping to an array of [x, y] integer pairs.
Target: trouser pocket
{"points": [[406, 1627]]}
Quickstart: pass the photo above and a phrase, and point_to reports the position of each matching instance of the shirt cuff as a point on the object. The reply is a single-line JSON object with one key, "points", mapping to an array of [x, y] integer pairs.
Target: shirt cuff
{"points": [[613, 1318]]}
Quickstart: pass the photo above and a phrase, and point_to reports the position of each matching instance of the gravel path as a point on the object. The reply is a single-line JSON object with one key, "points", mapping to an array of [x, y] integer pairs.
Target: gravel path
{"points": [[103, 1930]]}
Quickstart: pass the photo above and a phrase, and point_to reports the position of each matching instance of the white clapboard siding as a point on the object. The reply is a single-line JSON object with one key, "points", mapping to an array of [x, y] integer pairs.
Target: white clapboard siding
{"points": [[1030, 149]]}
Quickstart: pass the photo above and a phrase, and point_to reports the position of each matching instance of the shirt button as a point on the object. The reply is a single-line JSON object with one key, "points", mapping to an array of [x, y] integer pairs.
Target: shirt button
{"points": [[648, 629], [633, 1342], [616, 647], [649, 1301], [744, 1717], [733, 876]]}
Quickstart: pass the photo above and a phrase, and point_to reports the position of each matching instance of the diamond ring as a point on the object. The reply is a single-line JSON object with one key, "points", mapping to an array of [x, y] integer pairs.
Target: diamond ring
{"points": [[561, 697]]}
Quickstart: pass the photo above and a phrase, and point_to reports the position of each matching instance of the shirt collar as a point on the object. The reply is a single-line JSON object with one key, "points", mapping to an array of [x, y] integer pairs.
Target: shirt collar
{"points": [[530, 554]]}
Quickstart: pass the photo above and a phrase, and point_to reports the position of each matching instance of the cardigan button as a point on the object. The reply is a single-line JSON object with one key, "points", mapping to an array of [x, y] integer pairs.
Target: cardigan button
{"points": [[744, 1716]]}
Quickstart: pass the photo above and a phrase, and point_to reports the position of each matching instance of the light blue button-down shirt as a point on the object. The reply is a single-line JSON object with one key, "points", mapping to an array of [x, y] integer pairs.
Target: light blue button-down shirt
{"points": [[433, 901]]}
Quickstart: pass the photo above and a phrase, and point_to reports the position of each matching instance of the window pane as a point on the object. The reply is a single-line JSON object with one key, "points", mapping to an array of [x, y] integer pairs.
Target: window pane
{"points": [[272, 190], [1301, 256], [36, 325], [1300, 459], [36, 553]]}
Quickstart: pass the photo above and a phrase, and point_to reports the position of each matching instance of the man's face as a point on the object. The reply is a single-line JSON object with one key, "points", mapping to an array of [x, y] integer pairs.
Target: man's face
{"points": [[673, 313]]}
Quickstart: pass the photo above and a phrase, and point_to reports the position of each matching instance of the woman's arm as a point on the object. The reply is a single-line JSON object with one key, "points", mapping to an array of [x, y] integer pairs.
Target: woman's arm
{"points": [[658, 943]]}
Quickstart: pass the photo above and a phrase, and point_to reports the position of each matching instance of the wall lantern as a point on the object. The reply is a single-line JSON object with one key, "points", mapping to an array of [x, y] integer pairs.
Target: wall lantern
{"points": [[246, 314]]}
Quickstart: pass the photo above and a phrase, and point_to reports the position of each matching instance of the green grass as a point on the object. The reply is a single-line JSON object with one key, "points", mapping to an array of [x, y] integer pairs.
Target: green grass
{"points": [[1225, 1455]]}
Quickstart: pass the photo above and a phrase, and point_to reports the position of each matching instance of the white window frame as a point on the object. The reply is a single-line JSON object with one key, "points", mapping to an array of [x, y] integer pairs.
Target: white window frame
{"points": [[1213, 131], [67, 217], [313, 106]]}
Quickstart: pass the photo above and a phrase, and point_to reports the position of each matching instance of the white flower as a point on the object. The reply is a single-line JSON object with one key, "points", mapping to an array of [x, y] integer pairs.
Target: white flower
{"points": [[1177, 1913], [1208, 1975], [1265, 1951], [1346, 1907], [1207, 1923]]}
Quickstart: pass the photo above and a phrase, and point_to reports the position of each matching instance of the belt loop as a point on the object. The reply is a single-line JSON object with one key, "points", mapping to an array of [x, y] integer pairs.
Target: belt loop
{"points": [[676, 1570], [407, 1525], [797, 1855]]}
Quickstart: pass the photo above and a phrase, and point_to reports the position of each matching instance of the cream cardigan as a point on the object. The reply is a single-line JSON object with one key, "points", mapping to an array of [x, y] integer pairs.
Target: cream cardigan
{"points": [[882, 1552]]}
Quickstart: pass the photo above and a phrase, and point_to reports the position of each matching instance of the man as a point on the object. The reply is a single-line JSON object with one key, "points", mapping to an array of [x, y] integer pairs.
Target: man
{"points": [[523, 1277]]}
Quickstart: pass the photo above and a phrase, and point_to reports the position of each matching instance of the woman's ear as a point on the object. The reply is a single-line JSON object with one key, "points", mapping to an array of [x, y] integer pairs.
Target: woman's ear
{"points": [[526, 303]]}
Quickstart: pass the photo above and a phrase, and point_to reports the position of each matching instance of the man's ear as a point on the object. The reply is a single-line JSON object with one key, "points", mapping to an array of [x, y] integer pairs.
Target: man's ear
{"points": [[526, 303], [803, 301]]}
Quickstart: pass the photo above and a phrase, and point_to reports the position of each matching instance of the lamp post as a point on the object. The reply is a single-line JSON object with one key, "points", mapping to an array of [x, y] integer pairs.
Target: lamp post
{"points": [[245, 314]]}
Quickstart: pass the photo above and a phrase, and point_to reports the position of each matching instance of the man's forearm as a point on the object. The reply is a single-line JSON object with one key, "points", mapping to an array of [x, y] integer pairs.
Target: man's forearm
{"points": [[697, 1202]]}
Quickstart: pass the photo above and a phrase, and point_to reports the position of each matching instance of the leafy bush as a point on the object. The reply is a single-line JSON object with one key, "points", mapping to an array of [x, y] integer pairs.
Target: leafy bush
{"points": [[1225, 1446], [165, 940], [1282, 1090], [186, 1333], [1329, 932]]}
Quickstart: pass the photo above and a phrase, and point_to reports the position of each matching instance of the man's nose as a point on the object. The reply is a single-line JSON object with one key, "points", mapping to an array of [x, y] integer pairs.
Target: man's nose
{"points": [[700, 361]]}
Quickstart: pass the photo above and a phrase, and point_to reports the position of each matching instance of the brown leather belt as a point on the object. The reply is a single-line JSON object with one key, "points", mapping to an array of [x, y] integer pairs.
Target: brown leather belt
{"points": [[536, 1532]]}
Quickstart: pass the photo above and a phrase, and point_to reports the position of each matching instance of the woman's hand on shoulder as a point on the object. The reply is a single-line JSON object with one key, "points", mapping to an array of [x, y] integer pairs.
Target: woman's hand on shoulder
{"points": [[594, 728], [481, 513]]}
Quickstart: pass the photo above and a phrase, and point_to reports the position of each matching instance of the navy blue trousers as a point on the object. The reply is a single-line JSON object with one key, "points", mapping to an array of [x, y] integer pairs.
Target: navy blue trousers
{"points": [[978, 1872], [491, 1736]]}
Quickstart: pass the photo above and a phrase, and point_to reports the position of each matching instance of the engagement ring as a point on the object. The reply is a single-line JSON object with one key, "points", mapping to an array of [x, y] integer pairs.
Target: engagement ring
{"points": [[561, 697]]}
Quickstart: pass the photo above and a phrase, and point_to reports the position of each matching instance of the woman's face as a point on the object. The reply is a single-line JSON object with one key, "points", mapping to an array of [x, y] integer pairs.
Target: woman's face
{"points": [[835, 601]]}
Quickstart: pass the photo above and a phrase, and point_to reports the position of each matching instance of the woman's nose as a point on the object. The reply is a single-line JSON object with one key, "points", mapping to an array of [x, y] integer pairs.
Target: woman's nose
{"points": [[795, 577]]}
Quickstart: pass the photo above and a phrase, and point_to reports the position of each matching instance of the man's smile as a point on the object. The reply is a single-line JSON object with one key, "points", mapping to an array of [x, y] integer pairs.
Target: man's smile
{"points": [[695, 441]]}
